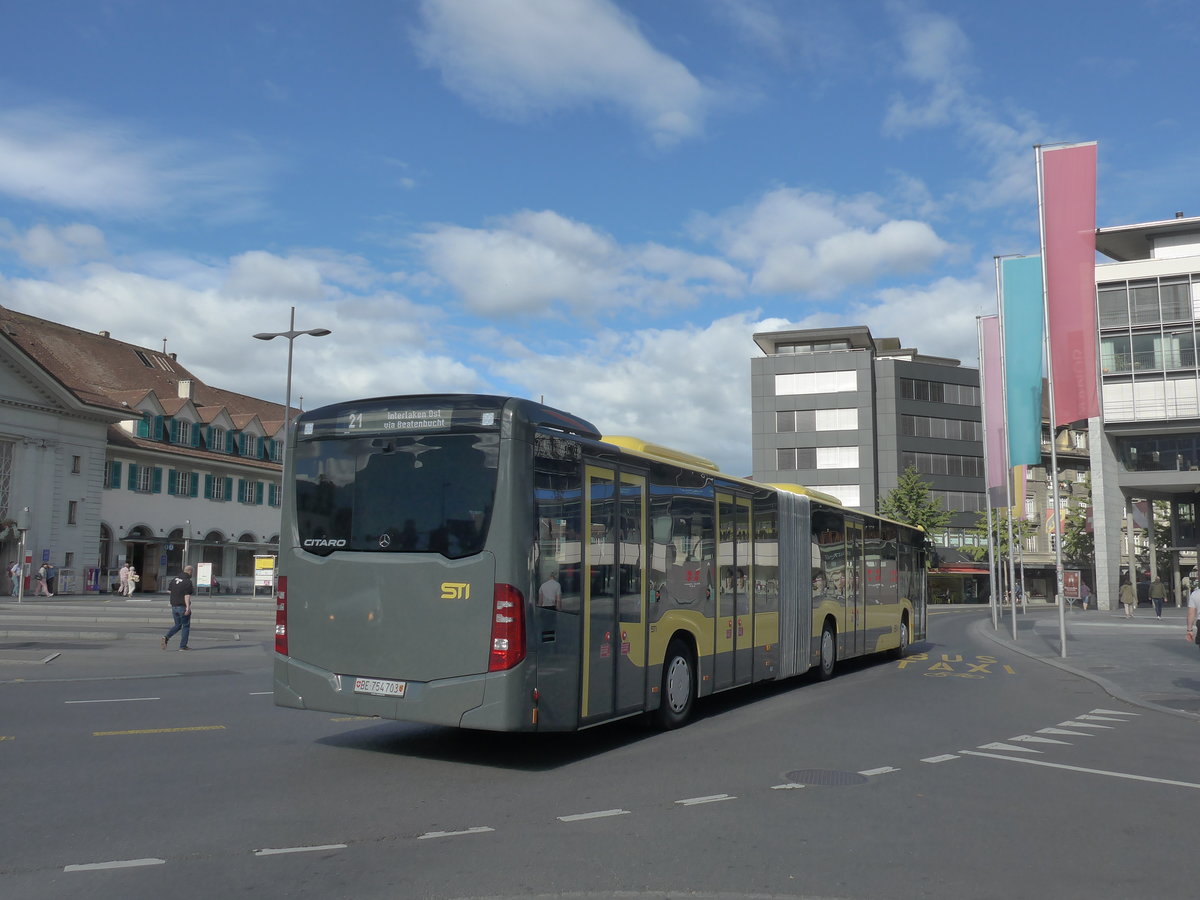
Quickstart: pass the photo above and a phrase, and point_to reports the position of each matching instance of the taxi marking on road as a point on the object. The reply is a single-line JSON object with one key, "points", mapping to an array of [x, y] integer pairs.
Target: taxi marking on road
{"points": [[954, 664]]}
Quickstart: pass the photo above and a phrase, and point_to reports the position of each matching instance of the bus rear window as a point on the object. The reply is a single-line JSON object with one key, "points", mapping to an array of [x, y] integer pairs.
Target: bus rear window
{"points": [[411, 494]]}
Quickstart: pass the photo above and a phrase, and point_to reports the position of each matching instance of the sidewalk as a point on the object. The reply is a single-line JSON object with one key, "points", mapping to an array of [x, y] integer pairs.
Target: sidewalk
{"points": [[1144, 660]]}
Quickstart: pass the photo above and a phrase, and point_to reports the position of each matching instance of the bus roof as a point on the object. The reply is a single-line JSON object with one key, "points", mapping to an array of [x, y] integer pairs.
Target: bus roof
{"points": [[658, 451]]}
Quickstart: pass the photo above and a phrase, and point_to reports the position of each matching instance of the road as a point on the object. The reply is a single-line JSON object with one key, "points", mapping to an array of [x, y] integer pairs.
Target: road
{"points": [[962, 771]]}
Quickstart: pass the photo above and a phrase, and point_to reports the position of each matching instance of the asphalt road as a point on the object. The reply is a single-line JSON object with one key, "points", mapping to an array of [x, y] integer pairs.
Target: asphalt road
{"points": [[967, 770]]}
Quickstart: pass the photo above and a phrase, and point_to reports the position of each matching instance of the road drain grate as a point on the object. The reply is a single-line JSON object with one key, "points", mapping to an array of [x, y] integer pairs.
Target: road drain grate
{"points": [[830, 777]]}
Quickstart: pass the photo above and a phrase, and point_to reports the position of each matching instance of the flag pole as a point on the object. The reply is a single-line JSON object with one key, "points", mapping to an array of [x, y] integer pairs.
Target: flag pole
{"points": [[1008, 478], [1052, 481], [983, 408]]}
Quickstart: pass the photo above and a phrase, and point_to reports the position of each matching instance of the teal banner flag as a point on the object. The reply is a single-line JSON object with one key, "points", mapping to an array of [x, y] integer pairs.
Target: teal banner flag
{"points": [[1022, 323]]}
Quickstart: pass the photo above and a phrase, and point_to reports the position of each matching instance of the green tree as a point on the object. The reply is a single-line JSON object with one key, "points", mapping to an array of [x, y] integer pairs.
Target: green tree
{"points": [[1022, 528], [912, 503], [1079, 544]]}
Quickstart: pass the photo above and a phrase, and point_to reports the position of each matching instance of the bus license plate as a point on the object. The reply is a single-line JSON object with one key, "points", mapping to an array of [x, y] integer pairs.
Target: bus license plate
{"points": [[379, 687]]}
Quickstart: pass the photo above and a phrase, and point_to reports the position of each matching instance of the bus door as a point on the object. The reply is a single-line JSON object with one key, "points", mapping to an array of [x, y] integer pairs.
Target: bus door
{"points": [[614, 596], [856, 608], [734, 638]]}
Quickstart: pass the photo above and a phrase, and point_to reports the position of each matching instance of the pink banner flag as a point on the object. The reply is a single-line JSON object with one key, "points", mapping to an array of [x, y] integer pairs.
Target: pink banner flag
{"points": [[1068, 202]]}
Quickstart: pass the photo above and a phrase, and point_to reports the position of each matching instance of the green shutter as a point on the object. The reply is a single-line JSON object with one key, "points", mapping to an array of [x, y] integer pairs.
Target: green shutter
{"points": [[143, 427], [228, 487], [114, 477], [156, 481], [258, 493], [196, 432], [158, 428], [241, 494], [133, 476], [208, 487], [174, 431], [172, 479], [194, 484]]}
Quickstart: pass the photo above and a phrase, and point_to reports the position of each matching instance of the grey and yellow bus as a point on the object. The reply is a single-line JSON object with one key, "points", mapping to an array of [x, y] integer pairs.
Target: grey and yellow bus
{"points": [[493, 563]]}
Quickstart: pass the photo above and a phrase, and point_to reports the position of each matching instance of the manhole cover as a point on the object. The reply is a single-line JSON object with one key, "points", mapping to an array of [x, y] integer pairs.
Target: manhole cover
{"points": [[826, 777]]}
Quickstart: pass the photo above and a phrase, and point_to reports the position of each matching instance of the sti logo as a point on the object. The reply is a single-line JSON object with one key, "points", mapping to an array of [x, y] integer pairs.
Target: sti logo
{"points": [[456, 590]]}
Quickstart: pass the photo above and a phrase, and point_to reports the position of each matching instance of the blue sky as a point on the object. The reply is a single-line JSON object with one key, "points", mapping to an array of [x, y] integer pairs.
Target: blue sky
{"points": [[592, 202]]}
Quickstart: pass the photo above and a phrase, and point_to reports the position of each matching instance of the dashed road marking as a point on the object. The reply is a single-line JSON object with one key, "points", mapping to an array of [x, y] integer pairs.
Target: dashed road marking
{"points": [[1001, 746], [479, 829], [115, 864], [883, 770], [120, 700], [945, 757], [1064, 731], [601, 814], [275, 851], [1076, 723], [714, 798], [1034, 739], [159, 730], [790, 786]]}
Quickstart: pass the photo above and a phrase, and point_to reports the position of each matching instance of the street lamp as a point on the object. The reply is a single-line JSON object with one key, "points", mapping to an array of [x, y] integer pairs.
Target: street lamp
{"points": [[291, 334]]}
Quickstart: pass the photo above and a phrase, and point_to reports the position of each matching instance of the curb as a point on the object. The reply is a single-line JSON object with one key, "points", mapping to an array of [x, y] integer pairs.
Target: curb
{"points": [[983, 627]]}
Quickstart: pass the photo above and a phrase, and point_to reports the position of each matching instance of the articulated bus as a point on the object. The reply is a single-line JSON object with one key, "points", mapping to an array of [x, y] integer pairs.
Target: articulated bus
{"points": [[492, 563]]}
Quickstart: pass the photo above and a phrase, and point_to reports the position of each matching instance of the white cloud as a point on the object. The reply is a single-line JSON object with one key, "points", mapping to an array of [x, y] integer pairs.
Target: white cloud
{"points": [[60, 158], [819, 244], [536, 262], [264, 275], [48, 247], [515, 58]]}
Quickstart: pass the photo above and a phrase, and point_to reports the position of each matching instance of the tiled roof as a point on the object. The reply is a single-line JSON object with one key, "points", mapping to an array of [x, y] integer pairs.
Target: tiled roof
{"points": [[102, 371]]}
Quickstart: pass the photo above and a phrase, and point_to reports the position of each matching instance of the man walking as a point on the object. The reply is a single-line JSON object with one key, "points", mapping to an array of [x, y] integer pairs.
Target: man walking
{"points": [[181, 589], [1158, 593], [1193, 614]]}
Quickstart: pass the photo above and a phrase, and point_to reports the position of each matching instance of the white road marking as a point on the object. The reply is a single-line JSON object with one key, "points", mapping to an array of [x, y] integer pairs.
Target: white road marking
{"points": [[1064, 731], [1112, 712], [1000, 746], [880, 771], [578, 817], [1075, 723], [1050, 765], [945, 757], [121, 700], [261, 693], [275, 851], [1034, 739], [1093, 718], [715, 798], [478, 829], [790, 786], [115, 864]]}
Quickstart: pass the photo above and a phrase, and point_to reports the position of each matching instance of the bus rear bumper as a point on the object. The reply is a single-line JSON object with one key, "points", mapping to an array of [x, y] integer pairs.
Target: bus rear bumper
{"points": [[470, 701]]}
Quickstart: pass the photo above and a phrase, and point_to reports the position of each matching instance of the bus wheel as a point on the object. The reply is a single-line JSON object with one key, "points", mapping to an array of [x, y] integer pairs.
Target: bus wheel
{"points": [[678, 686], [900, 651], [828, 653]]}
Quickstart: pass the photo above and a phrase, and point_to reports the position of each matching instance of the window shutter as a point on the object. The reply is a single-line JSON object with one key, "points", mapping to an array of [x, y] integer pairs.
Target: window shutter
{"points": [[156, 479], [174, 431], [258, 493], [228, 487], [194, 484], [171, 481], [158, 428], [272, 494], [133, 476], [114, 478], [196, 431], [241, 494], [208, 487], [143, 428], [208, 437]]}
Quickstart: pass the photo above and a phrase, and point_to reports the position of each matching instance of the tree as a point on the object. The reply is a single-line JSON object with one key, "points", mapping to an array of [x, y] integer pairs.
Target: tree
{"points": [[912, 503], [1079, 544], [1022, 529]]}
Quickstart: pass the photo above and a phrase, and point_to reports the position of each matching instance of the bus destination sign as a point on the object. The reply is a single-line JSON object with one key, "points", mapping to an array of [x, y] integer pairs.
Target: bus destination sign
{"points": [[395, 421]]}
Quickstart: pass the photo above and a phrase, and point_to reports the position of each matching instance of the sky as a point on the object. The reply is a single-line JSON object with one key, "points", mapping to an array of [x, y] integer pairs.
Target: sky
{"points": [[592, 203]]}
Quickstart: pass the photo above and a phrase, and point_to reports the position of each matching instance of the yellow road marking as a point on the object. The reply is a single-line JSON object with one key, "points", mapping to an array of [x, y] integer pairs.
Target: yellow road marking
{"points": [[5, 738], [159, 730]]}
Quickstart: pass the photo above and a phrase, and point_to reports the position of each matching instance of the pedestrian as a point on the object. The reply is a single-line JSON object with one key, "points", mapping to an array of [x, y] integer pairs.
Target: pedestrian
{"points": [[14, 573], [1128, 597], [180, 589], [123, 579], [1192, 614], [42, 588], [1158, 593], [1085, 593], [131, 581], [51, 575], [550, 593]]}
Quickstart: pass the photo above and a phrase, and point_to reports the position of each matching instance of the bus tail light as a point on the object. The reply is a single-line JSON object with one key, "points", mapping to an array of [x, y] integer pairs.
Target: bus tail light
{"points": [[508, 628], [281, 616]]}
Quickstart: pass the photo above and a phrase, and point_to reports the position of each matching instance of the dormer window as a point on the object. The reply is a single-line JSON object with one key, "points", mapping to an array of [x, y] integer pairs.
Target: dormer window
{"points": [[218, 439]]}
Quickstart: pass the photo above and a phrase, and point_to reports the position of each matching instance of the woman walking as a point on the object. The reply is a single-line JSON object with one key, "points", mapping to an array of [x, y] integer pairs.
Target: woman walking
{"points": [[1128, 597], [42, 587]]}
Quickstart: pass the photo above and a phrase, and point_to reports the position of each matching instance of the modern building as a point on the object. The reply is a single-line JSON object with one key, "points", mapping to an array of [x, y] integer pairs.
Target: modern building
{"points": [[120, 454], [846, 413], [1145, 445]]}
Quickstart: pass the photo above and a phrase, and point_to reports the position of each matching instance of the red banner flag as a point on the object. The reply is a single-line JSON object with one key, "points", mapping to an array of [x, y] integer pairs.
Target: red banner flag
{"points": [[1068, 203]]}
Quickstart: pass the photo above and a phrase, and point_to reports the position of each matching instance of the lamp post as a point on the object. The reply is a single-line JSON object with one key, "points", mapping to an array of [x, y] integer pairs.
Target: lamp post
{"points": [[291, 334]]}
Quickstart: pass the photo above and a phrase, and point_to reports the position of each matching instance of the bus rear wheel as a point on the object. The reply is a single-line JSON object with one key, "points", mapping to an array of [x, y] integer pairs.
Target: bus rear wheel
{"points": [[900, 651], [678, 686], [828, 653]]}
